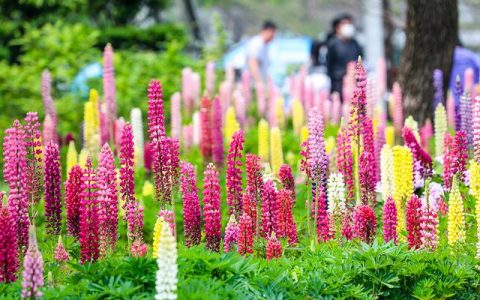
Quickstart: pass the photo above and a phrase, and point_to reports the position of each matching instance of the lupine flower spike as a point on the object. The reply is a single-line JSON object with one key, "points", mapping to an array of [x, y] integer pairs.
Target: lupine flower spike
{"points": [[166, 278], [211, 208], [191, 205], [8, 244], [231, 234], [61, 254], [53, 189], [234, 174], [33, 269]]}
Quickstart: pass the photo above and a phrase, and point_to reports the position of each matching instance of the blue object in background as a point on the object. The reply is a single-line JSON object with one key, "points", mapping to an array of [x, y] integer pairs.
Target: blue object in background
{"points": [[80, 82]]}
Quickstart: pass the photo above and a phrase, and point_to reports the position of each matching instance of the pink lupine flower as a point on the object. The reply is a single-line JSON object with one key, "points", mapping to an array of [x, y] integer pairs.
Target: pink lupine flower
{"points": [[187, 132], [429, 229], [210, 77], [176, 116], [422, 162], [73, 192], [379, 143], [365, 223], [287, 180], [33, 145], [286, 226], [269, 209], [397, 107], [218, 154], [274, 248], [49, 130], [336, 108], [234, 174], [53, 189], [261, 99], [367, 168], [250, 208], [476, 129], [169, 217], [317, 157], [245, 234], [109, 83], [166, 165], [47, 96], [15, 174], [345, 162], [107, 200], [89, 238], [358, 105], [191, 205], [426, 134], [455, 157], [206, 128], [414, 214], [390, 221], [211, 208], [156, 117], [254, 175], [61, 254], [139, 249], [8, 245], [33, 269], [117, 132], [323, 222], [347, 228], [231, 234]]}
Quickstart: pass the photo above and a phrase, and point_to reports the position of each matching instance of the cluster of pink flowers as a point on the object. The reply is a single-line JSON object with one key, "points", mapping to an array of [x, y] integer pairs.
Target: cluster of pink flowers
{"points": [[414, 214], [269, 209], [287, 180], [246, 234], [156, 117], [211, 208], [274, 248], [390, 221], [429, 228], [109, 85], [455, 157], [8, 245], [358, 105], [422, 162], [398, 107], [107, 200], [73, 193], [206, 128], [231, 234], [367, 168], [61, 254], [191, 205], [364, 223], [166, 165], [53, 189], [218, 154], [33, 269], [89, 239], [14, 173], [345, 161], [234, 174], [316, 156], [285, 223], [253, 192], [323, 221], [347, 226], [168, 217], [33, 145]]}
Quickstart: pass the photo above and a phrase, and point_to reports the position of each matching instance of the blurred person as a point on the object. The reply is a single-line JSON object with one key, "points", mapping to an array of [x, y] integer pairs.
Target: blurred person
{"points": [[464, 59], [342, 49], [257, 53]]}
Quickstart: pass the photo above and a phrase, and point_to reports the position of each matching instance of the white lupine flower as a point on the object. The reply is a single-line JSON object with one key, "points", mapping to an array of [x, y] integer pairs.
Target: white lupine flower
{"points": [[336, 194], [137, 129], [386, 167], [166, 281]]}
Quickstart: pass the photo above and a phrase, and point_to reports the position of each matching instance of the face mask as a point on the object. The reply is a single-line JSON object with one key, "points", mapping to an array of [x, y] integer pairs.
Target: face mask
{"points": [[347, 31]]}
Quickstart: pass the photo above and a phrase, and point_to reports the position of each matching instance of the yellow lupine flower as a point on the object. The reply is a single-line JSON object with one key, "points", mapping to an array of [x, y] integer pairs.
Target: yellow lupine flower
{"points": [[329, 144], [82, 157], [474, 172], [263, 140], [440, 123], [303, 134], [231, 124], [72, 156], [403, 181], [156, 235], [298, 116], [147, 189], [456, 215], [91, 124], [279, 114], [386, 168], [276, 151], [390, 135]]}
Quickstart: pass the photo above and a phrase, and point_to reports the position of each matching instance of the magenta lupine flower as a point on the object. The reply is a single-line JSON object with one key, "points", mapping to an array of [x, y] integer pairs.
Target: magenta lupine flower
{"points": [[455, 157], [269, 209], [274, 248], [169, 217], [33, 145], [364, 223], [33, 269], [246, 233], [397, 107], [166, 165], [89, 238], [231, 234], [345, 162], [218, 154], [107, 200], [117, 132], [156, 116], [15, 174], [191, 205], [254, 175], [286, 226], [476, 129], [287, 180], [234, 174], [8, 245], [323, 222], [347, 227], [414, 214], [109, 83], [206, 128], [422, 162], [211, 208], [139, 249], [461, 149], [61, 254], [367, 168], [390, 221], [73, 191], [53, 189], [358, 105], [250, 208]]}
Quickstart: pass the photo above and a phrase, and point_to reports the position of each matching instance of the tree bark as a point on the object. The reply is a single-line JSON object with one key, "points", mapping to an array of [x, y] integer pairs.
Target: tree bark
{"points": [[431, 36]]}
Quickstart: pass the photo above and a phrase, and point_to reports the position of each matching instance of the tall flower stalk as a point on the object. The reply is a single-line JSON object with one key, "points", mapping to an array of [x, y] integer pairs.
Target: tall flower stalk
{"points": [[33, 269], [73, 196], [234, 174], [33, 144], [89, 238], [191, 205], [166, 277], [53, 189], [211, 208], [8, 245]]}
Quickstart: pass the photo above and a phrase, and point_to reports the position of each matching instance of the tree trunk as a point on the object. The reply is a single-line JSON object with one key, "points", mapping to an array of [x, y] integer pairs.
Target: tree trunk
{"points": [[193, 22], [388, 24], [431, 36]]}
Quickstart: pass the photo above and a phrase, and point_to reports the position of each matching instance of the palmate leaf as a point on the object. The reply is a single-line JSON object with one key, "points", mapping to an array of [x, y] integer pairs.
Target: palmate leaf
{"points": [[114, 288]]}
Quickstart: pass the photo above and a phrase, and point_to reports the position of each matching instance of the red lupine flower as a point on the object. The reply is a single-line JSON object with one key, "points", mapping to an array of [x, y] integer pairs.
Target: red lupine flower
{"points": [[61, 254], [108, 200], [364, 223], [218, 154], [324, 229], [367, 169], [33, 269], [15, 174], [414, 214], [206, 128], [390, 221], [287, 180], [461, 148], [53, 189], [245, 234], [274, 248], [191, 205], [442, 207], [234, 174], [73, 192], [269, 209], [285, 223], [211, 208], [89, 238], [231, 234], [422, 162], [347, 228], [8, 245], [33, 145], [345, 162]]}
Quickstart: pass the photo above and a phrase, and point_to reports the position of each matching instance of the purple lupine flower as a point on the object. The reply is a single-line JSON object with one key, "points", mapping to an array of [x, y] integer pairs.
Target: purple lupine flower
{"points": [[53, 189], [466, 117], [317, 158], [458, 92], [476, 129], [438, 96]]}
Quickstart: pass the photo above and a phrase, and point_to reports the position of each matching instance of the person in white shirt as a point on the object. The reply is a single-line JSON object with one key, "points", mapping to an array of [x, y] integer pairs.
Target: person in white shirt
{"points": [[257, 53]]}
